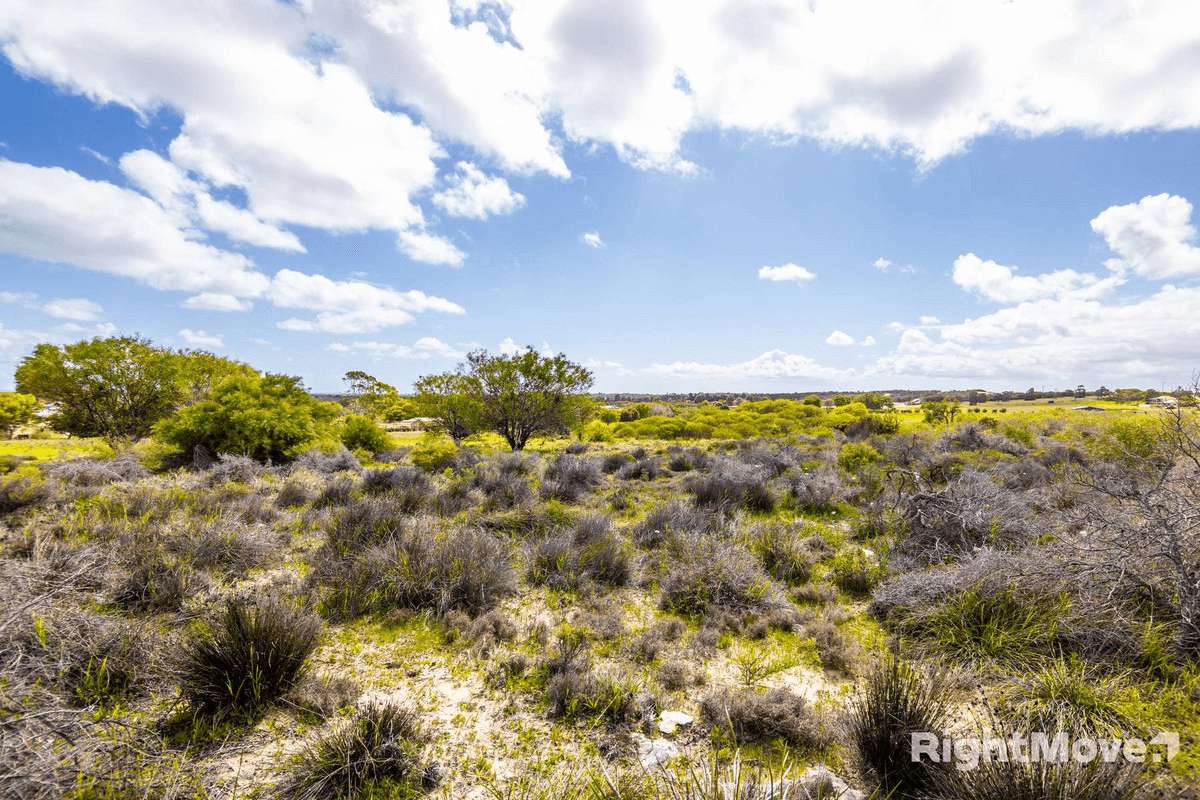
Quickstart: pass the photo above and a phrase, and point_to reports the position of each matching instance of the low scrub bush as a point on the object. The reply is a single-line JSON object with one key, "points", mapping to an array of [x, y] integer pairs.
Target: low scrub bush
{"points": [[249, 657], [732, 485], [408, 488], [818, 490], [327, 463], [88, 471], [434, 456], [643, 469], [378, 752], [338, 492], [503, 489], [567, 477], [591, 551], [1042, 780], [1065, 695], [668, 523], [857, 571], [836, 650], [751, 717], [576, 693], [22, 491], [711, 574], [324, 694], [615, 461], [784, 555], [898, 700], [362, 433]]}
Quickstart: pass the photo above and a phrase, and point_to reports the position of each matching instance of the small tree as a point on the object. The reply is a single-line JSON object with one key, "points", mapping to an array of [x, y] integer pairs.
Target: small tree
{"points": [[267, 418], [518, 395], [813, 400], [841, 400], [941, 411], [448, 398], [15, 410], [117, 388]]}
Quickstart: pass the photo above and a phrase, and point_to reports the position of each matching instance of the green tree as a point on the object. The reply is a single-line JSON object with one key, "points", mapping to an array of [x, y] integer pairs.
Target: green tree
{"points": [[841, 400], [812, 400], [267, 418], [358, 383], [874, 400], [448, 398], [941, 411], [117, 388], [15, 410], [523, 394]]}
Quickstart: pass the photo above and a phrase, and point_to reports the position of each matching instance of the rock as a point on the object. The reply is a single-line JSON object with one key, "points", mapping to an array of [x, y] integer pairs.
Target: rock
{"points": [[653, 752], [673, 719]]}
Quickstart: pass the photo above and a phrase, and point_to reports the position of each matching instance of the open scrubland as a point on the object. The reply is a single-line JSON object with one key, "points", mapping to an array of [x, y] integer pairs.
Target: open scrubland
{"points": [[810, 586]]}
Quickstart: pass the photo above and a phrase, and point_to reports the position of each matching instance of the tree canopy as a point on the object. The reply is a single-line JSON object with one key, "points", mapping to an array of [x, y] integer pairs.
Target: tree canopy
{"points": [[517, 396], [267, 418], [118, 387], [15, 410]]}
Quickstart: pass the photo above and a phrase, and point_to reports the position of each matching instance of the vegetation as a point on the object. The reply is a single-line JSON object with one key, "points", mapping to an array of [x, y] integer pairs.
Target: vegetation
{"points": [[265, 418], [516, 621], [15, 410]]}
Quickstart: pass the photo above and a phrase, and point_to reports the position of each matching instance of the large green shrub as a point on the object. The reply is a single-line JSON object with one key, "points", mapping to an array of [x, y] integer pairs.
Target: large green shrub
{"points": [[269, 417], [361, 433]]}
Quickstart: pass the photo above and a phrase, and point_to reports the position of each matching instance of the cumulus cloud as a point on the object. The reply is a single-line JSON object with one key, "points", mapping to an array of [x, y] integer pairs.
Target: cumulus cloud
{"points": [[508, 347], [472, 194], [201, 338], [1153, 236], [593, 240], [515, 80], [772, 364], [1065, 323], [998, 283], [51, 214], [217, 301], [881, 264], [839, 338], [429, 248], [77, 308], [349, 306], [788, 272], [424, 348]]}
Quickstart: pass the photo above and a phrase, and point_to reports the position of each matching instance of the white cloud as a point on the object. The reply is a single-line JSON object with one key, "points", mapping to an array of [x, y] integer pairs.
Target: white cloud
{"points": [[430, 249], [201, 338], [474, 195], [508, 347], [998, 283], [51, 214], [337, 347], [77, 308], [839, 338], [788, 272], [868, 342], [772, 364], [616, 366], [929, 320], [216, 301], [1151, 236], [424, 348], [19, 298], [505, 79], [593, 239], [103, 159], [349, 306], [882, 264]]}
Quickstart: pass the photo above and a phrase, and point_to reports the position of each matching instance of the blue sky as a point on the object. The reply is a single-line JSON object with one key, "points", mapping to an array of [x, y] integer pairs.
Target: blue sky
{"points": [[710, 196]]}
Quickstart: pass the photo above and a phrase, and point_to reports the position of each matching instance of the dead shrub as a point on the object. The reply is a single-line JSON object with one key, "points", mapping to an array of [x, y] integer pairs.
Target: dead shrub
{"points": [[591, 551], [751, 717]]}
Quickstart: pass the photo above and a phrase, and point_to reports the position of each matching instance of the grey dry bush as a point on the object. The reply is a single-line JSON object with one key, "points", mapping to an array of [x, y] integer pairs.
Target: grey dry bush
{"points": [[567, 477], [817, 490], [88, 471], [709, 573], [408, 488], [668, 523], [590, 551], [784, 554], [327, 463], [732, 485], [643, 469], [779, 714]]}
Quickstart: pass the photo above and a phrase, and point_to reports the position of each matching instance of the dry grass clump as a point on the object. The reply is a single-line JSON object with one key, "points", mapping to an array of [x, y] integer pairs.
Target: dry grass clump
{"points": [[408, 489], [612, 462], [652, 642], [411, 566], [589, 552], [642, 469], [22, 491], [324, 694], [250, 656], [753, 717], [327, 463], [338, 492], [574, 690], [784, 554], [378, 752], [836, 650], [89, 471]]}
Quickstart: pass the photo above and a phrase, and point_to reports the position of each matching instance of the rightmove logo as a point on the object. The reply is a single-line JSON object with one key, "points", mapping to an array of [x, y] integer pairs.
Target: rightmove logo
{"points": [[1020, 748]]}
